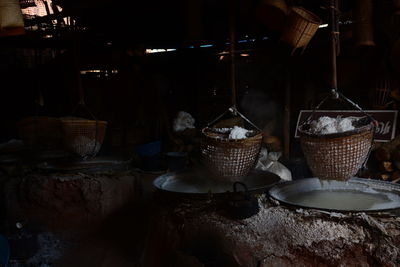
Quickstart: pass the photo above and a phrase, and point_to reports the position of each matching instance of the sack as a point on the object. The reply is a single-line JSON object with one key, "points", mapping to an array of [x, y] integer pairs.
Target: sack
{"points": [[262, 159], [183, 121], [269, 162]]}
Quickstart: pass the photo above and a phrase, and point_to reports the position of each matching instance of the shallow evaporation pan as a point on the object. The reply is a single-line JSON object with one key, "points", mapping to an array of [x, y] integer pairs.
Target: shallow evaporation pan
{"points": [[194, 182], [357, 194]]}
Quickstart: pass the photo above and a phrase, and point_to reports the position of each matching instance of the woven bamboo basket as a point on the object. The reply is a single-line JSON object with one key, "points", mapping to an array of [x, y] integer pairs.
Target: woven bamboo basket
{"points": [[229, 159], [40, 131], [11, 20], [300, 27], [337, 156], [83, 137]]}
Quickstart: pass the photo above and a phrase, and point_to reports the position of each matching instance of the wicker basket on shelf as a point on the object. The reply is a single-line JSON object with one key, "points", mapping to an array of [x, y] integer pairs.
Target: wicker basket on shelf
{"points": [[229, 159], [300, 27], [337, 156], [83, 137], [40, 131]]}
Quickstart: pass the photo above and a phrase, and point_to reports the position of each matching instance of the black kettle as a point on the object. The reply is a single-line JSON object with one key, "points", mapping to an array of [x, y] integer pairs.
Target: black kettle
{"points": [[241, 204]]}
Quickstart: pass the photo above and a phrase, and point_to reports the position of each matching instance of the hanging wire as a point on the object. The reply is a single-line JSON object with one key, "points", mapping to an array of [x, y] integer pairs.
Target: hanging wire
{"points": [[232, 46], [335, 45], [232, 43]]}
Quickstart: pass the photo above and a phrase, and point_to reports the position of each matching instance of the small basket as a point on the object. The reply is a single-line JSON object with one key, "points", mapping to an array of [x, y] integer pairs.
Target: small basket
{"points": [[337, 156], [229, 159], [40, 131], [83, 137], [11, 20], [300, 27]]}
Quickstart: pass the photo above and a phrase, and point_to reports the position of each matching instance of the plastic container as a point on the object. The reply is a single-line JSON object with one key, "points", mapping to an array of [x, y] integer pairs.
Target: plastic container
{"points": [[149, 154], [149, 149]]}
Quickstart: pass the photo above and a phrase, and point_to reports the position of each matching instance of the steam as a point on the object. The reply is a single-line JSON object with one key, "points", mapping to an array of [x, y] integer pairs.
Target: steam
{"points": [[259, 107]]}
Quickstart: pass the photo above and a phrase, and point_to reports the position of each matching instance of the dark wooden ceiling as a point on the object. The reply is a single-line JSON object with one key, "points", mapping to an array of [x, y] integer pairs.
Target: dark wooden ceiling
{"points": [[174, 22]]}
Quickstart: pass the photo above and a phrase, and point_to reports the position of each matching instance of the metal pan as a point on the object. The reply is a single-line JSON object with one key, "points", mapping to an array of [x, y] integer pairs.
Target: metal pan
{"points": [[355, 195], [91, 165], [192, 183]]}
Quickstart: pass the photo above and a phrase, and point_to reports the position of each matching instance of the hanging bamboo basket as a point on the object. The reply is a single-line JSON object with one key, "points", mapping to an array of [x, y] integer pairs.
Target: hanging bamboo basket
{"points": [[83, 137], [337, 156], [229, 159], [11, 20], [300, 27]]}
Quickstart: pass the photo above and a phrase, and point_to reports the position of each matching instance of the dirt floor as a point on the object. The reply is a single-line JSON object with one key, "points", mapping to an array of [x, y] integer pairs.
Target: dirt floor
{"points": [[119, 220]]}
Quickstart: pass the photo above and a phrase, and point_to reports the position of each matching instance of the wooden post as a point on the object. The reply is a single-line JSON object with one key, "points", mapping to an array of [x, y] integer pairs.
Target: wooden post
{"points": [[232, 41], [78, 78], [193, 18], [286, 115], [334, 41]]}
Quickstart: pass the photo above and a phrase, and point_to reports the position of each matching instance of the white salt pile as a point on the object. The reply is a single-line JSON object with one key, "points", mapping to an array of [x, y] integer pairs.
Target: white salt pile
{"points": [[235, 133], [222, 130], [328, 125], [238, 133], [84, 145], [345, 124], [183, 121]]}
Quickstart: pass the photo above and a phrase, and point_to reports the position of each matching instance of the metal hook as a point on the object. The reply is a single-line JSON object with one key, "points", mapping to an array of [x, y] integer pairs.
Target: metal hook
{"points": [[233, 110], [335, 93]]}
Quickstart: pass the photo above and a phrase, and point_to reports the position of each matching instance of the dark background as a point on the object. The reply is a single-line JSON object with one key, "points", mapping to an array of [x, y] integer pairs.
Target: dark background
{"points": [[141, 100]]}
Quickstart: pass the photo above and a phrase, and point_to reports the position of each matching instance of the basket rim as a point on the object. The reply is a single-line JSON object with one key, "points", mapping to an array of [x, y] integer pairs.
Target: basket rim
{"points": [[225, 140], [37, 118], [82, 121], [362, 129], [311, 17], [277, 4]]}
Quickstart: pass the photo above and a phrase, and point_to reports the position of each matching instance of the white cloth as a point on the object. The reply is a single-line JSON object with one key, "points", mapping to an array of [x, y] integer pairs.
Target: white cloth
{"points": [[269, 162]]}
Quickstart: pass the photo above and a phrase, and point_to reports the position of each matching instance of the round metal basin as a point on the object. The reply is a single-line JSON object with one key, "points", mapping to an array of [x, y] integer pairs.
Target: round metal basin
{"points": [[199, 183], [357, 194], [90, 165]]}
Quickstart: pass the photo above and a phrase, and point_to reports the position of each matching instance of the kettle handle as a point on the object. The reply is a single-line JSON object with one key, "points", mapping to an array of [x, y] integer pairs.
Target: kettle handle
{"points": [[235, 184]]}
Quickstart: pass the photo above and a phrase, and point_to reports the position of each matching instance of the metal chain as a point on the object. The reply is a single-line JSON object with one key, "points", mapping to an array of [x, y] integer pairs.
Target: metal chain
{"points": [[235, 112], [335, 94]]}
